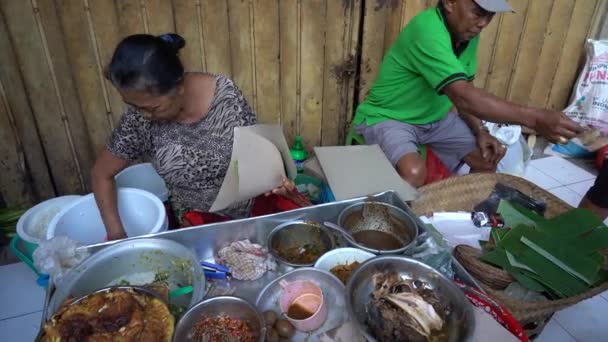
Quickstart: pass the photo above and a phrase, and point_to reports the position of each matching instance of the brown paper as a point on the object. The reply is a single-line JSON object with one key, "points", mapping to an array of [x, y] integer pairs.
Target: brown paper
{"points": [[361, 170], [260, 159]]}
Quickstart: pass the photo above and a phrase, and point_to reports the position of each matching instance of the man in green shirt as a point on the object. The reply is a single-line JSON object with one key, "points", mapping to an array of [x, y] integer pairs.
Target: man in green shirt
{"points": [[424, 94]]}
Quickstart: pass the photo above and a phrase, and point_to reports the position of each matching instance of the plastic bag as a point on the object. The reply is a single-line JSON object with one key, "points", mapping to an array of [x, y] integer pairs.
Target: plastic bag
{"points": [[57, 256], [589, 103], [516, 158], [432, 250]]}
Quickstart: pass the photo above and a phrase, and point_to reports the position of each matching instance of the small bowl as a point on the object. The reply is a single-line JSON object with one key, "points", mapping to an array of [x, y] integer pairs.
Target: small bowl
{"points": [[460, 321], [342, 256], [297, 234], [233, 307], [406, 228]]}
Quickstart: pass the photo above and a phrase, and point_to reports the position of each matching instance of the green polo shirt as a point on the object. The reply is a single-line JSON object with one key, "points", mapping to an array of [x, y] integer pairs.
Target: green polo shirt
{"points": [[415, 70]]}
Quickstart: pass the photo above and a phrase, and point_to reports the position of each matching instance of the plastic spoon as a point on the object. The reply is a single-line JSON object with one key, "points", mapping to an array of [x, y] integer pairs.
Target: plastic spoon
{"points": [[180, 292]]}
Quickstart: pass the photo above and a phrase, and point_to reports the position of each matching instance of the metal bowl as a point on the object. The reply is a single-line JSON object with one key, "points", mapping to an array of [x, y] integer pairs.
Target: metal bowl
{"points": [[297, 234], [461, 321], [136, 261], [333, 296], [396, 221], [233, 307]]}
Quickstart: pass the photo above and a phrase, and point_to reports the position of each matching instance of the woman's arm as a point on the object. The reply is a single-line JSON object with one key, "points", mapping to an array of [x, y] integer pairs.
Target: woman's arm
{"points": [[106, 167]]}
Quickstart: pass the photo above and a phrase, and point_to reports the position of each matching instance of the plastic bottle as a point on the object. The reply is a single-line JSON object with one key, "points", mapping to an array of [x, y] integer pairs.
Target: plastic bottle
{"points": [[298, 154]]}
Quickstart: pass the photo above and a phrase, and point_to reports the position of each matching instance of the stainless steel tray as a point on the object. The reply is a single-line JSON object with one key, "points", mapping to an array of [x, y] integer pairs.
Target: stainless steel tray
{"points": [[208, 239]]}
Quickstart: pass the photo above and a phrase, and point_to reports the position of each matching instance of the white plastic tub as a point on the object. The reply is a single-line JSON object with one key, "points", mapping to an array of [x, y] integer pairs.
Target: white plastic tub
{"points": [[144, 177], [33, 225], [141, 212]]}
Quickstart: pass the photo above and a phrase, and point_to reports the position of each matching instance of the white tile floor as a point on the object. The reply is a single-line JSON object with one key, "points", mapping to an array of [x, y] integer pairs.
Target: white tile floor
{"points": [[22, 299]]}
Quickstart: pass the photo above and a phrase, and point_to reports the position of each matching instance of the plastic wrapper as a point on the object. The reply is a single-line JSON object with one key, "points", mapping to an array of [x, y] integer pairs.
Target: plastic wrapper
{"points": [[57, 256], [515, 290], [432, 250]]}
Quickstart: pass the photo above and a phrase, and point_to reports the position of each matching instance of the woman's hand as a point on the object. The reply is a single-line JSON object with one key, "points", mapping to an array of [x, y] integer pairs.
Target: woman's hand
{"points": [[117, 234], [286, 188]]}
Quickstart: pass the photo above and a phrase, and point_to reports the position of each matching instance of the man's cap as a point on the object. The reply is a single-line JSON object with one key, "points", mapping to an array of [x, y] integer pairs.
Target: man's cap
{"points": [[495, 6]]}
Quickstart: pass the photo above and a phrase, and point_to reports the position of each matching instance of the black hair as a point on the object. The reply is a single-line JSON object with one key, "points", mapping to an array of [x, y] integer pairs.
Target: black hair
{"points": [[147, 62]]}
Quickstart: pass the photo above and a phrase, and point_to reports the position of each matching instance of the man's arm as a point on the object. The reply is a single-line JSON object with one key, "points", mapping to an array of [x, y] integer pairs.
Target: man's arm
{"points": [[469, 99]]}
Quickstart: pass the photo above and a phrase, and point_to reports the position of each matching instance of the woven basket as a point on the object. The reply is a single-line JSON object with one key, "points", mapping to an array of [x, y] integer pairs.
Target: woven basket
{"points": [[462, 194]]}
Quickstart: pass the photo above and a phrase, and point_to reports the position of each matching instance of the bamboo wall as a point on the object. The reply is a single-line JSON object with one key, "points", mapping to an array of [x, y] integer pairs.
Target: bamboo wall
{"points": [[301, 63]]}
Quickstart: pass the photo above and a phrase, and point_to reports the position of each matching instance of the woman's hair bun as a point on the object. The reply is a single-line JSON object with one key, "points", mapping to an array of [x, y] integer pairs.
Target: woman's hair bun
{"points": [[174, 40]]}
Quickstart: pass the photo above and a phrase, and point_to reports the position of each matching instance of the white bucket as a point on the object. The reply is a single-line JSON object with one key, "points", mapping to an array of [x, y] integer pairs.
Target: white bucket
{"points": [[144, 177], [141, 213], [33, 225]]}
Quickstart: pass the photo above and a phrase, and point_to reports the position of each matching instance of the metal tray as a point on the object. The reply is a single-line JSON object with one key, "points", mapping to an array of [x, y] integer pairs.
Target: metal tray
{"points": [[207, 240], [334, 295]]}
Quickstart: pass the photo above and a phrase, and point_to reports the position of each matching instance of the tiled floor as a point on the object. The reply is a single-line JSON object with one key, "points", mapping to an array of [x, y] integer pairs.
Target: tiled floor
{"points": [[21, 299]]}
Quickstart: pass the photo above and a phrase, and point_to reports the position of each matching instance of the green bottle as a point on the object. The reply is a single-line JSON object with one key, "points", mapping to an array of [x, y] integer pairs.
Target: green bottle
{"points": [[298, 154]]}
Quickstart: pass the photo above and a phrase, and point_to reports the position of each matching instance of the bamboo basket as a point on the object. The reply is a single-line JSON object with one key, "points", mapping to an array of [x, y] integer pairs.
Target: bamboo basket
{"points": [[462, 194]]}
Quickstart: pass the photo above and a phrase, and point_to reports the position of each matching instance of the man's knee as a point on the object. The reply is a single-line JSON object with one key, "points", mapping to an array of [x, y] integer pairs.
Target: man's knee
{"points": [[412, 169]]}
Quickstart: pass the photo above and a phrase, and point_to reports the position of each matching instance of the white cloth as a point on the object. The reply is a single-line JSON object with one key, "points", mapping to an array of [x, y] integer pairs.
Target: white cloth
{"points": [[245, 260]]}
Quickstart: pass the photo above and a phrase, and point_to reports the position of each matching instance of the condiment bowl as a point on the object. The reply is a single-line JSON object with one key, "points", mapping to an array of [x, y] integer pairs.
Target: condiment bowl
{"points": [[383, 217], [298, 234], [342, 256], [230, 306], [460, 319]]}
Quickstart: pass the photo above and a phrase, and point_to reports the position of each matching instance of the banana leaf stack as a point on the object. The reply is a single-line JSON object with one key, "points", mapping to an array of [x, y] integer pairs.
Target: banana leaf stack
{"points": [[559, 257]]}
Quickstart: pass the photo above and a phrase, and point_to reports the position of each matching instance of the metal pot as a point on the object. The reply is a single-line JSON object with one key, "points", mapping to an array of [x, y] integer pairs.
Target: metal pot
{"points": [[137, 261], [233, 307], [460, 321], [396, 222], [297, 234]]}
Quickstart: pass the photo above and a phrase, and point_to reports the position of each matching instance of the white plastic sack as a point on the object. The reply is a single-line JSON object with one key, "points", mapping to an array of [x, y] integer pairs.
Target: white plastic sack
{"points": [[518, 152], [57, 256], [516, 158], [589, 103]]}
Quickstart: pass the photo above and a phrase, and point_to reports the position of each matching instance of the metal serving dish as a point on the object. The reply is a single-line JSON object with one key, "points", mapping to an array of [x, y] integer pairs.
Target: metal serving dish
{"points": [[461, 321], [233, 307], [137, 261], [297, 234], [386, 218]]}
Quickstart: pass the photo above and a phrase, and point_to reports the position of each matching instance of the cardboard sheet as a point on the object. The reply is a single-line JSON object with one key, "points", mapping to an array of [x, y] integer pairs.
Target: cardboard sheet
{"points": [[356, 171], [260, 159]]}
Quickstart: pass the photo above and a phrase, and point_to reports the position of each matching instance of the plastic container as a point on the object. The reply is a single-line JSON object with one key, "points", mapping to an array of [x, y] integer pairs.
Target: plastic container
{"points": [[309, 297], [298, 154], [144, 177], [33, 225], [141, 213]]}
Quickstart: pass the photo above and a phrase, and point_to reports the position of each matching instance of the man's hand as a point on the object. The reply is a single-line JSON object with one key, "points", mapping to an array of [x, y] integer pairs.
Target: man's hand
{"points": [[555, 126], [491, 149]]}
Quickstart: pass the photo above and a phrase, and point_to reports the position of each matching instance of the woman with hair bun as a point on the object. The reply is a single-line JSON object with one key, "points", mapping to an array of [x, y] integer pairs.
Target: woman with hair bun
{"points": [[182, 121]]}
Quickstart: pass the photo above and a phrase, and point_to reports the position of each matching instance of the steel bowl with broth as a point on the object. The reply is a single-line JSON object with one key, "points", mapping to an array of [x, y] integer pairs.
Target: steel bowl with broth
{"points": [[299, 243], [221, 306], [458, 320], [379, 228]]}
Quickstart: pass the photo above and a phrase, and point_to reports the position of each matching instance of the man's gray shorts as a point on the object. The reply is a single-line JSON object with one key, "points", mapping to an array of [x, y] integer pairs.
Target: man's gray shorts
{"points": [[450, 139]]}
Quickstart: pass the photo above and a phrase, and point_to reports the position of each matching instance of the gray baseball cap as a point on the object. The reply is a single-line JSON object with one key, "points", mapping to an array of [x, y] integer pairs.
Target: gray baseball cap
{"points": [[495, 6]]}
